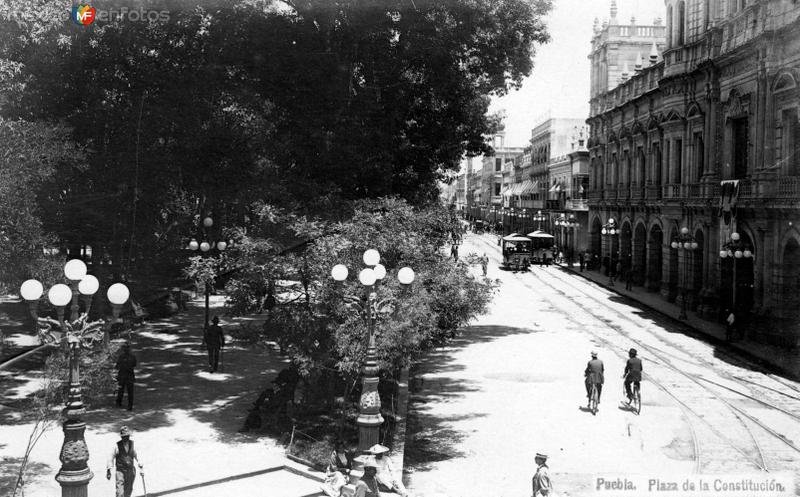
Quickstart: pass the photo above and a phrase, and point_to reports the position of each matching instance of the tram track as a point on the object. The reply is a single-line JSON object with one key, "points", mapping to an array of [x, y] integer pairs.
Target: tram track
{"points": [[736, 411], [710, 455]]}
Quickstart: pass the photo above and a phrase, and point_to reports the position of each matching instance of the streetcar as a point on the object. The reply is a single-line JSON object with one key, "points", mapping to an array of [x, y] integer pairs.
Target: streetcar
{"points": [[516, 251], [541, 242]]}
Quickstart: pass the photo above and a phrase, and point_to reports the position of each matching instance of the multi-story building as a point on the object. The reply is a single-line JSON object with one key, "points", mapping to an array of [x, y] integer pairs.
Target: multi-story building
{"points": [[704, 138]]}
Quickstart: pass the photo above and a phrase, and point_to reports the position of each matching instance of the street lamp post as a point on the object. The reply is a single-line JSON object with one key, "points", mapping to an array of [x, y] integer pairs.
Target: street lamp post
{"points": [[609, 231], [687, 244], [735, 249], [567, 224], [370, 309], [204, 248], [74, 475], [539, 217]]}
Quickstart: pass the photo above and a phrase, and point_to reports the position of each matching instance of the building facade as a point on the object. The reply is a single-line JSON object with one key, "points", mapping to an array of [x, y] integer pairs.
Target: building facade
{"points": [[704, 135]]}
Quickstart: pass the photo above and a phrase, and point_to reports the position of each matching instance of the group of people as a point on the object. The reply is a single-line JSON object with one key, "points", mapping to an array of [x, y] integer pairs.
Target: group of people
{"points": [[378, 476], [594, 375], [124, 454]]}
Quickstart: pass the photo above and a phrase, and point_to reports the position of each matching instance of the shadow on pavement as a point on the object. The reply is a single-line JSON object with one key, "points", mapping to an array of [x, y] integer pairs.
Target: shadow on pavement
{"points": [[430, 437], [172, 375]]}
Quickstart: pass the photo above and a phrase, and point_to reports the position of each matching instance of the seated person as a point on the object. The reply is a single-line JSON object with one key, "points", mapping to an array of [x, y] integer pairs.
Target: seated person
{"points": [[339, 465], [388, 480], [368, 485]]}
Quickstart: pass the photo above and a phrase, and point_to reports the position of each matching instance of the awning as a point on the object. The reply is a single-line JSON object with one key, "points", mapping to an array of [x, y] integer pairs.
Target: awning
{"points": [[506, 192], [516, 237], [539, 234], [556, 188], [529, 187]]}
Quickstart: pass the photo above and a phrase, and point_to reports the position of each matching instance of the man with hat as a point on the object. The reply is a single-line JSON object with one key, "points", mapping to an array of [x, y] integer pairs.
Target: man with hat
{"points": [[632, 374], [125, 374], [368, 486], [122, 458], [541, 480], [387, 480], [594, 376], [215, 340]]}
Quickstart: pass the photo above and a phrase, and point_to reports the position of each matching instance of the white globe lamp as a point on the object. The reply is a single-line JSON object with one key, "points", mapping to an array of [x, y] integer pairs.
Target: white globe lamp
{"points": [[339, 272], [380, 271], [75, 270], [31, 290], [88, 285], [367, 277], [371, 257], [59, 295], [405, 276]]}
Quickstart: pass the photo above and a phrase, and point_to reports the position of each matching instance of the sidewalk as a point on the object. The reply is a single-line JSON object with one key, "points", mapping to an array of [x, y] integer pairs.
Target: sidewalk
{"points": [[185, 421], [785, 360]]}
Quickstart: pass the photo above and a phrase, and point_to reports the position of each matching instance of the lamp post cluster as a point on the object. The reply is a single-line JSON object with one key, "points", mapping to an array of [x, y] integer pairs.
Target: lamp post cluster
{"points": [[205, 247], [539, 218], [74, 475], [370, 309], [567, 224], [609, 231], [735, 249], [687, 244]]}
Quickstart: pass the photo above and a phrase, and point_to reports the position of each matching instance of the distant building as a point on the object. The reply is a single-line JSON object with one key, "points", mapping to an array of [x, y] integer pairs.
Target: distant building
{"points": [[701, 131]]}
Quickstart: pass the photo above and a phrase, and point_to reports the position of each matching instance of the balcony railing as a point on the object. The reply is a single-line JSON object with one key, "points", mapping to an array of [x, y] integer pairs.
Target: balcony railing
{"points": [[745, 189], [595, 196], [789, 186], [577, 204], [653, 192], [672, 191]]}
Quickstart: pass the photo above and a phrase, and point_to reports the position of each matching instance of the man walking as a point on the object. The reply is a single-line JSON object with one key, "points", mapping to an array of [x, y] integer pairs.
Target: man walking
{"points": [[484, 263], [215, 340], [594, 376], [541, 480], [629, 279], [581, 260], [125, 375], [122, 459]]}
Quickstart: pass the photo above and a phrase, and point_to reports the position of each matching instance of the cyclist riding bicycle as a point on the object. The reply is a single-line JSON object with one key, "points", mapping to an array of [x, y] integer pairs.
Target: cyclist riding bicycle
{"points": [[632, 374], [594, 376]]}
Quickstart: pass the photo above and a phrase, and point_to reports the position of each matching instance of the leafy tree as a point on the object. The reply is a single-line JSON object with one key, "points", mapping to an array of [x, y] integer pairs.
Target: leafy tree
{"points": [[30, 153], [303, 103], [311, 321]]}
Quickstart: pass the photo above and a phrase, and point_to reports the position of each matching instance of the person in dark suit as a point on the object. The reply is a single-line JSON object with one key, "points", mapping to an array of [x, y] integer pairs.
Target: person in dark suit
{"points": [[594, 376], [214, 340], [125, 375], [632, 374]]}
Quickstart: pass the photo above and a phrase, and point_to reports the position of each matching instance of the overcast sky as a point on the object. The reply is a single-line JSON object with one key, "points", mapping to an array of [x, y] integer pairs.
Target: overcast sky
{"points": [[559, 82]]}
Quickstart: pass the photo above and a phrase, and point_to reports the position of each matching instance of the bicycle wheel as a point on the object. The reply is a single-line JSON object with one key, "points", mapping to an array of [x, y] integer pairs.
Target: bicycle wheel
{"points": [[637, 400], [593, 400]]}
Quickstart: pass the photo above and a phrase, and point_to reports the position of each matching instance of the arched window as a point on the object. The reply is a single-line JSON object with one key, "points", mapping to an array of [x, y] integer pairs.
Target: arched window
{"points": [[681, 22], [669, 27]]}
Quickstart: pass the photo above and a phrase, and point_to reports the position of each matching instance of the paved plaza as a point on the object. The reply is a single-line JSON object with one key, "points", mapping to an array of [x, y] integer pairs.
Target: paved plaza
{"points": [[185, 422], [512, 385]]}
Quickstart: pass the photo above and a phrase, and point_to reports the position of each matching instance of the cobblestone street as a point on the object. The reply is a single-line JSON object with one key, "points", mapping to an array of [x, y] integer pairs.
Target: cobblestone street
{"points": [[512, 385]]}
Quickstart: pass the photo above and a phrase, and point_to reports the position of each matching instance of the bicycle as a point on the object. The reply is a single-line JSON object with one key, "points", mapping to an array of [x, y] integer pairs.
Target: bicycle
{"points": [[594, 399], [635, 402]]}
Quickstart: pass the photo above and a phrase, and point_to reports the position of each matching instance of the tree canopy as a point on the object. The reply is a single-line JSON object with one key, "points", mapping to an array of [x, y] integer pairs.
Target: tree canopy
{"points": [[306, 104]]}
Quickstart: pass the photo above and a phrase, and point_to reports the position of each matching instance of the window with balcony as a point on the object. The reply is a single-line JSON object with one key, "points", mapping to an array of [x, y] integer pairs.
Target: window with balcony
{"points": [[681, 23], [678, 177], [699, 156], [788, 137], [666, 161], [498, 164], [497, 189], [740, 147]]}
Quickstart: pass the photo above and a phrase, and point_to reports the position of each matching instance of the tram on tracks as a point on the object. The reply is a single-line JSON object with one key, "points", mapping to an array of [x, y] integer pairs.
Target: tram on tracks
{"points": [[541, 242], [516, 250]]}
